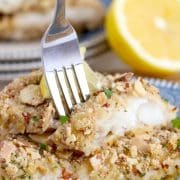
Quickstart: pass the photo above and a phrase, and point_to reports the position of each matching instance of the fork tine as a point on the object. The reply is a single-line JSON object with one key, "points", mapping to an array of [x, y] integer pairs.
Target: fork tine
{"points": [[65, 91], [72, 83], [82, 81], [55, 92]]}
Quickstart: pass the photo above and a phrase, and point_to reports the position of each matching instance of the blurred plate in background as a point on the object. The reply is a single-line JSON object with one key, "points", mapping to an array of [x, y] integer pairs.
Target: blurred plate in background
{"points": [[13, 51], [20, 62], [18, 51], [169, 91], [18, 58]]}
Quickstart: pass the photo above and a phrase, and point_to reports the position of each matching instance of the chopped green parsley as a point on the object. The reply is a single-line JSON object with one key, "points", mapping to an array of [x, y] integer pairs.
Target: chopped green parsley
{"points": [[43, 146], [176, 123], [64, 119], [108, 93], [35, 118], [166, 100], [178, 143], [142, 174]]}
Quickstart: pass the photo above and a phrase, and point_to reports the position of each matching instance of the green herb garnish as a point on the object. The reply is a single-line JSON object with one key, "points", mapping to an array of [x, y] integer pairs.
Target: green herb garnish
{"points": [[35, 118], [164, 145], [64, 119], [145, 156], [108, 93], [166, 100], [23, 176], [176, 123], [43, 146], [142, 174], [178, 143]]}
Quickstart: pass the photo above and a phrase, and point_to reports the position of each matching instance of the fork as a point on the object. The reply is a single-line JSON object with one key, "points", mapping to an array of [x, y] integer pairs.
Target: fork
{"points": [[63, 64]]}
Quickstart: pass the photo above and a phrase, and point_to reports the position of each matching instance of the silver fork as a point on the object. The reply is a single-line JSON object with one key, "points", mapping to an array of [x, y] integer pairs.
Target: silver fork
{"points": [[63, 64]]}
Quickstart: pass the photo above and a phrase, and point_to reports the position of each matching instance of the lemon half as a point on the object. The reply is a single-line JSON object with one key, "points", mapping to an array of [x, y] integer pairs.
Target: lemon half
{"points": [[146, 34], [91, 76]]}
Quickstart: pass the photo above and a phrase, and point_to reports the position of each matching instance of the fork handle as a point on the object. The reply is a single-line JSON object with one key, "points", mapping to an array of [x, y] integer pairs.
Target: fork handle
{"points": [[59, 22], [60, 10]]}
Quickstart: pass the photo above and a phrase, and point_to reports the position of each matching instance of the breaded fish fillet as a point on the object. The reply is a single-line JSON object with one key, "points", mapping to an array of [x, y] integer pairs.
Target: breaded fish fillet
{"points": [[123, 131], [120, 106], [22, 107], [111, 112]]}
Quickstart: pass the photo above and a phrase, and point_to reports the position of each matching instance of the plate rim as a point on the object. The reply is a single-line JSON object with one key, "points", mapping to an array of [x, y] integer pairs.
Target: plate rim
{"points": [[160, 83], [163, 83]]}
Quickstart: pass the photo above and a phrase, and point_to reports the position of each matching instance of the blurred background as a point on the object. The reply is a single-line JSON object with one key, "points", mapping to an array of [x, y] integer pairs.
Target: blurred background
{"points": [[119, 35]]}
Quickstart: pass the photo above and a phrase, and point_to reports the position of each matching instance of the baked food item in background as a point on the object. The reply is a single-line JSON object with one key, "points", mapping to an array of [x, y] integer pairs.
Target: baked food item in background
{"points": [[85, 14], [26, 20], [123, 131], [22, 19]]}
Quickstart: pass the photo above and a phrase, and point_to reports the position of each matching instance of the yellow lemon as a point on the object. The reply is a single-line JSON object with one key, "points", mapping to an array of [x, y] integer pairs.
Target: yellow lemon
{"points": [[90, 75], [92, 78], [146, 34], [44, 88]]}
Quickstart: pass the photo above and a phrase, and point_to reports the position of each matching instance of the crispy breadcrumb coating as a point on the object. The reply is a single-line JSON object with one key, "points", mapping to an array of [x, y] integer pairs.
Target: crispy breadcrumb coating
{"points": [[141, 154], [22, 107], [132, 104], [21, 159], [123, 131]]}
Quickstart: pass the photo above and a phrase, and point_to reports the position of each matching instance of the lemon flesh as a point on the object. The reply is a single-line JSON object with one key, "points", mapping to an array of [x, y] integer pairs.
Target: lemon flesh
{"points": [[44, 88], [146, 34], [90, 75]]}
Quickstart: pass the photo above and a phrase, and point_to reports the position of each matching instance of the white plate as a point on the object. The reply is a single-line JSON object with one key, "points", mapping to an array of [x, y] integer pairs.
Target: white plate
{"points": [[15, 51]]}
